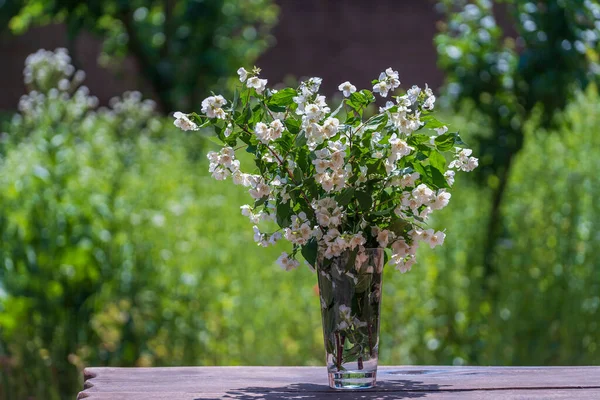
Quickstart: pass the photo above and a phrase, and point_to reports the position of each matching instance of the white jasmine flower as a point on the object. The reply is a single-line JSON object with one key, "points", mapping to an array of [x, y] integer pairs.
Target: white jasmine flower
{"points": [[422, 193], [429, 103], [463, 162], [321, 165], [262, 132], [246, 210], [211, 107], [256, 83], [440, 200], [277, 127], [337, 160], [436, 239], [391, 73], [388, 105], [413, 94], [405, 265], [382, 88], [471, 164], [228, 130], [357, 240], [258, 235], [330, 127], [449, 177], [361, 258], [347, 88], [183, 122], [362, 177], [383, 237], [313, 111], [261, 190], [243, 74], [441, 130]]}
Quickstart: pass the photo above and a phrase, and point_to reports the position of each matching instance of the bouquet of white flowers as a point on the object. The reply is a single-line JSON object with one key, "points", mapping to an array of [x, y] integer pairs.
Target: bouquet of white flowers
{"points": [[334, 184], [342, 188]]}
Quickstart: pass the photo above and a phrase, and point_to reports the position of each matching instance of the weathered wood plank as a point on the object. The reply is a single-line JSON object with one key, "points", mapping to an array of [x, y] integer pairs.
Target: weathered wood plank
{"points": [[570, 394], [436, 382]]}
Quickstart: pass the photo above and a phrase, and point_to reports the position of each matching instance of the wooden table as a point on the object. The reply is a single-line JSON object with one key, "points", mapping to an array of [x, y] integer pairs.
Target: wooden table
{"points": [[430, 383]]}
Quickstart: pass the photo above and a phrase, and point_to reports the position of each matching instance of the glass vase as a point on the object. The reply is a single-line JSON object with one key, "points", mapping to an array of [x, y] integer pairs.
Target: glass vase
{"points": [[350, 293]]}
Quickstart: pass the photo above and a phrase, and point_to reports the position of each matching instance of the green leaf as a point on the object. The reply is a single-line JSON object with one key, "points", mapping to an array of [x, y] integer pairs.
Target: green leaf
{"points": [[244, 117], [303, 160], [376, 123], [364, 200], [364, 282], [416, 138], [278, 109], [311, 185], [431, 122], [236, 99], [445, 142], [257, 115], [260, 201], [399, 226], [284, 211], [385, 212], [298, 175], [309, 251], [285, 143], [215, 140], [283, 97], [337, 110], [292, 125], [345, 197], [358, 98], [301, 140], [251, 149], [368, 95], [438, 178], [437, 161]]}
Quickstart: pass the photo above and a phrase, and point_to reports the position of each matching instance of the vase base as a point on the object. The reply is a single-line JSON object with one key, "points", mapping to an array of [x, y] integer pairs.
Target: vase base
{"points": [[352, 380]]}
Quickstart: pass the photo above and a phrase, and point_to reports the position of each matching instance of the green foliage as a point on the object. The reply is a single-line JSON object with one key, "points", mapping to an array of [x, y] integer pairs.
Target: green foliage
{"points": [[113, 252], [546, 308], [557, 50], [183, 48]]}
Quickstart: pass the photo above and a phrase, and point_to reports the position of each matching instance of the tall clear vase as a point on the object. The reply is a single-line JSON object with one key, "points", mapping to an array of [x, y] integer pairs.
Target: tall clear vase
{"points": [[350, 292]]}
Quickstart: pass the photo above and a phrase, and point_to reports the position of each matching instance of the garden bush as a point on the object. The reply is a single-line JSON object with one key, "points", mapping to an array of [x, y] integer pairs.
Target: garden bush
{"points": [[117, 248]]}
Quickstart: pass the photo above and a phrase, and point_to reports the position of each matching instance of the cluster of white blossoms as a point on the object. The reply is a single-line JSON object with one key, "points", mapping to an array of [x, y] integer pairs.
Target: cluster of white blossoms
{"points": [[327, 212], [336, 243], [252, 80], [331, 185], [331, 170], [398, 149], [183, 122], [287, 263], [405, 120], [424, 199], [267, 133], [300, 231], [464, 161], [265, 240], [212, 107], [223, 163], [388, 80]]}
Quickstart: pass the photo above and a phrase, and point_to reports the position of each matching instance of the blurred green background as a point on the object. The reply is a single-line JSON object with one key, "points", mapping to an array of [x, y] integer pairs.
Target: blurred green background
{"points": [[118, 249]]}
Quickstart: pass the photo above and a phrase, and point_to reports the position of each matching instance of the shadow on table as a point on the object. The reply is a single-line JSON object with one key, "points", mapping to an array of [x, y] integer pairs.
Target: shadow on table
{"points": [[400, 389]]}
